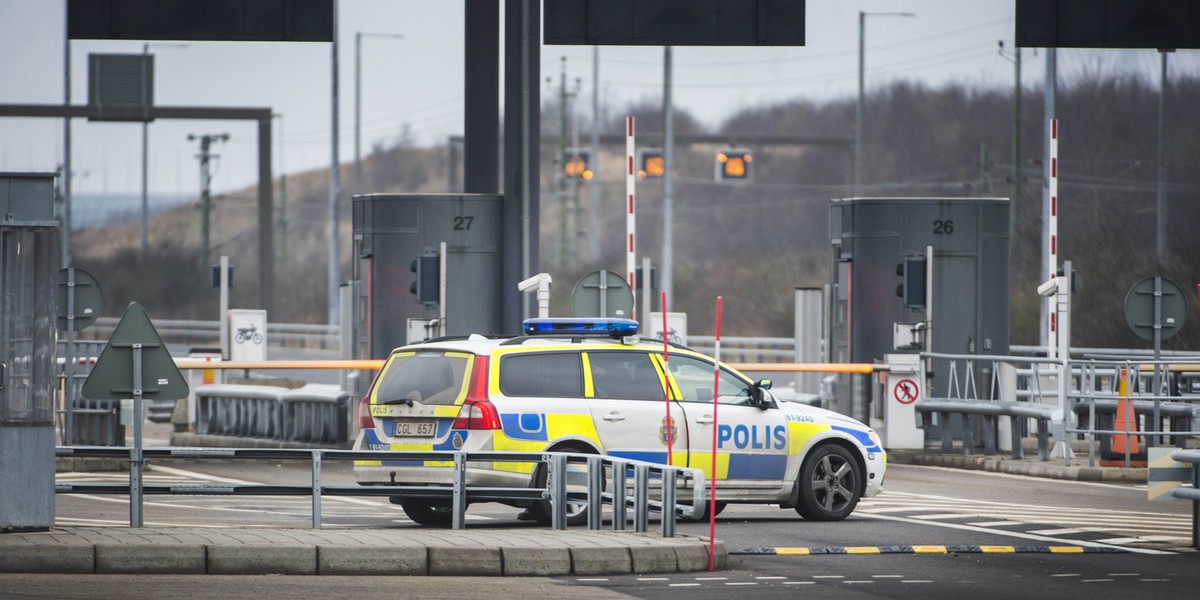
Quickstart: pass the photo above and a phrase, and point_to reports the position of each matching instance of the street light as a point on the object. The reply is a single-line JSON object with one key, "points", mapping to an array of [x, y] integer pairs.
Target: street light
{"points": [[358, 37], [858, 113], [146, 143]]}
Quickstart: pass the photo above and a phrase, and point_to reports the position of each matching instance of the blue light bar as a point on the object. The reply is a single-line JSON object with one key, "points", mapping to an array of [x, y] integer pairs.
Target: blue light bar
{"points": [[564, 326]]}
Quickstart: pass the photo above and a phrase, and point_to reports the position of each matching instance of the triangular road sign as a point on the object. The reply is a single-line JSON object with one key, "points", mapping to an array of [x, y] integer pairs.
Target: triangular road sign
{"points": [[112, 377]]}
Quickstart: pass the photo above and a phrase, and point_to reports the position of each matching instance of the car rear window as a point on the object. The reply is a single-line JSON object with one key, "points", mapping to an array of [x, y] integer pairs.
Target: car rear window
{"points": [[542, 374], [428, 377]]}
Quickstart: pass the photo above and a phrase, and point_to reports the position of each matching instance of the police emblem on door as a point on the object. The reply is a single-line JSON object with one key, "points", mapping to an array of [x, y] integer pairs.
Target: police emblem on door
{"points": [[668, 431]]}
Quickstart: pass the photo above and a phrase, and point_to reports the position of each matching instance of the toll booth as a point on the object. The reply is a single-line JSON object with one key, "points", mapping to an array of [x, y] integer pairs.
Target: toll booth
{"points": [[29, 264], [884, 250], [425, 265]]}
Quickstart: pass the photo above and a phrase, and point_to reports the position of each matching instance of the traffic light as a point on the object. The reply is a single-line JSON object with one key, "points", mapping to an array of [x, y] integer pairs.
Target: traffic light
{"points": [[651, 163], [425, 284], [577, 164], [912, 281], [733, 164]]}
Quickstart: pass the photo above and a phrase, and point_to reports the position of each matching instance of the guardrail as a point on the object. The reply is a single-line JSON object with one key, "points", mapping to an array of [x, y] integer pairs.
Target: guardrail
{"points": [[1193, 493], [975, 389], [601, 470], [311, 414]]}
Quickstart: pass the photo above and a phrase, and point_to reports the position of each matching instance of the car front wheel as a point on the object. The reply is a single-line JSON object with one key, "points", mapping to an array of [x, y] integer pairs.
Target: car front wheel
{"points": [[830, 484]]}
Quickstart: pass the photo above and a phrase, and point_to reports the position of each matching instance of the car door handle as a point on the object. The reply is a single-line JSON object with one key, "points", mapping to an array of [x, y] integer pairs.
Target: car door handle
{"points": [[614, 417], [705, 419]]}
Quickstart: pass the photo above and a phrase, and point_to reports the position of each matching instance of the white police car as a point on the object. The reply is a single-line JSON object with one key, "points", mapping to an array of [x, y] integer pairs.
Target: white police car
{"points": [[562, 388]]}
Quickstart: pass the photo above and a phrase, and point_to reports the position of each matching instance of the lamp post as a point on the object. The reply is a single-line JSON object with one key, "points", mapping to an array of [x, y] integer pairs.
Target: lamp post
{"points": [[858, 112], [358, 37], [146, 141]]}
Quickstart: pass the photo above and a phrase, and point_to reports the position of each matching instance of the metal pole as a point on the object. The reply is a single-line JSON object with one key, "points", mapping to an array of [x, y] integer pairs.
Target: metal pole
{"points": [[331, 284], [66, 237], [1016, 144], [668, 257], [357, 112], [1153, 440], [135, 456], [858, 111], [594, 183], [145, 157], [68, 438], [1160, 246], [1051, 87], [223, 317], [316, 489]]}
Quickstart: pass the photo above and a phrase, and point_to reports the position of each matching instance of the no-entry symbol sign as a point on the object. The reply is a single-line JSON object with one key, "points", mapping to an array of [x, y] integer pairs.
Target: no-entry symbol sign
{"points": [[906, 391]]}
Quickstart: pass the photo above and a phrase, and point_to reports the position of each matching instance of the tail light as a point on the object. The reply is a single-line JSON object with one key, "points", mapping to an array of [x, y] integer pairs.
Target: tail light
{"points": [[477, 411], [364, 414]]}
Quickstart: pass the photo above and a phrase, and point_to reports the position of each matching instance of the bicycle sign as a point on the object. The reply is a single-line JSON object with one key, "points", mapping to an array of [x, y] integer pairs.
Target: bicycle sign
{"points": [[247, 334]]}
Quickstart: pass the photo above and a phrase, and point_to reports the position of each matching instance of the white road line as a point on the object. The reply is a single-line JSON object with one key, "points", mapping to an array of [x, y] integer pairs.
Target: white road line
{"points": [[1015, 534], [1065, 531], [1144, 538]]}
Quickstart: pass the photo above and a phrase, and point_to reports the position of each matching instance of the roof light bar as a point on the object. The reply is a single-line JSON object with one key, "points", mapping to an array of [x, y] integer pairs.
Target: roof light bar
{"points": [[564, 326]]}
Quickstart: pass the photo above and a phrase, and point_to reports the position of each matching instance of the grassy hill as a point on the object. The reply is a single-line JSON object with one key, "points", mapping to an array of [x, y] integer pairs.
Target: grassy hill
{"points": [[754, 243]]}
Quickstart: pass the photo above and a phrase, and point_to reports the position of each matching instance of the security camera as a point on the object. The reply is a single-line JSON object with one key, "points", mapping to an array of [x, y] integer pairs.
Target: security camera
{"points": [[1049, 288]]}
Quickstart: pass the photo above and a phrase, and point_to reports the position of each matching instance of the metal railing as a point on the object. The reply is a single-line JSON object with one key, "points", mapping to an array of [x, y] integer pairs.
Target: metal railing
{"points": [[606, 482], [1193, 493], [1023, 388]]}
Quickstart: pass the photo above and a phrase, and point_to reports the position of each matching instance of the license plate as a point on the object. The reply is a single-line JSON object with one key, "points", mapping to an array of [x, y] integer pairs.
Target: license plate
{"points": [[415, 428]]}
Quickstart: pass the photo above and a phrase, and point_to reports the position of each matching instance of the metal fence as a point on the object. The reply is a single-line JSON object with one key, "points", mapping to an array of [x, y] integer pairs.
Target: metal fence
{"points": [[1193, 493], [580, 479], [1165, 405]]}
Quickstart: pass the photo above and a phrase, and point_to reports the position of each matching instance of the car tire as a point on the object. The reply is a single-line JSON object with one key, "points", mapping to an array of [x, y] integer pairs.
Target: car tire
{"points": [[428, 512], [830, 483], [541, 511], [703, 516]]}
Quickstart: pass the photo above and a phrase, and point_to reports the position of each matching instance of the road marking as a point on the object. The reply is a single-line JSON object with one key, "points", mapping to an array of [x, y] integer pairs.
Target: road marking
{"points": [[653, 579], [684, 585], [1059, 531], [888, 576], [741, 583], [917, 581], [1139, 539], [799, 583], [1016, 534], [766, 578]]}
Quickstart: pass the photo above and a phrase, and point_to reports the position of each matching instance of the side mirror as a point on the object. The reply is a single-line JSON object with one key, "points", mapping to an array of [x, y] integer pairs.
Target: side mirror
{"points": [[758, 396]]}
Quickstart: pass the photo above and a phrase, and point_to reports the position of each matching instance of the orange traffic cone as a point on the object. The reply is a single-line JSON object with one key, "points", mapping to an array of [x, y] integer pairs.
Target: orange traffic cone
{"points": [[1126, 420]]}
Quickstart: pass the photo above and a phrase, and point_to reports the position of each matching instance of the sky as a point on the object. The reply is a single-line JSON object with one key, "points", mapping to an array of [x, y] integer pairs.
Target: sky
{"points": [[413, 86]]}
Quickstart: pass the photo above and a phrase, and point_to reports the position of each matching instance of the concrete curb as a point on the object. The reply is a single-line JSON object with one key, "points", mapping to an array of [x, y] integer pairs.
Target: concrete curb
{"points": [[1052, 469], [260, 551]]}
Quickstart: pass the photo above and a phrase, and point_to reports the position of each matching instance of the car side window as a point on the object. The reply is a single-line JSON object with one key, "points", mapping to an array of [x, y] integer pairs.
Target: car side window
{"points": [[694, 377], [542, 374], [625, 376]]}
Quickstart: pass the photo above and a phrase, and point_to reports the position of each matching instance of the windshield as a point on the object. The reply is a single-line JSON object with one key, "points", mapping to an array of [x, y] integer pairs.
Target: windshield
{"points": [[425, 377]]}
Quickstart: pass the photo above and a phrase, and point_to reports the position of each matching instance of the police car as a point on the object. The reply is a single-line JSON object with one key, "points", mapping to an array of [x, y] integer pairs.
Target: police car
{"points": [[591, 387]]}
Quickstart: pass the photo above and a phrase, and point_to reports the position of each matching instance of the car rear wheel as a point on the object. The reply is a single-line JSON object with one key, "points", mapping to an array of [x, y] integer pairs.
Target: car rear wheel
{"points": [[830, 484], [703, 516], [428, 512]]}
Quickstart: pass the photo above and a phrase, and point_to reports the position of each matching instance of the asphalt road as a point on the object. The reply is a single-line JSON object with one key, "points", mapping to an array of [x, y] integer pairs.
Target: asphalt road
{"points": [[922, 506]]}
